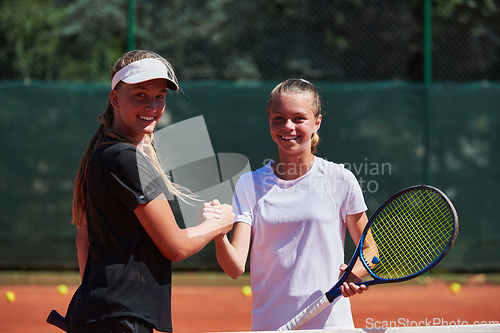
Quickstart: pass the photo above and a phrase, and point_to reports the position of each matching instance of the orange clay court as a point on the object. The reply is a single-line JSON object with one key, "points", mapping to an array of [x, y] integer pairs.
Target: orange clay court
{"points": [[211, 302]]}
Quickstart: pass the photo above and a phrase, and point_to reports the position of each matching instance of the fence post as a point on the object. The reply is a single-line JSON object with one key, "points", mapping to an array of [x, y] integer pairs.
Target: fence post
{"points": [[131, 25], [427, 42], [427, 50]]}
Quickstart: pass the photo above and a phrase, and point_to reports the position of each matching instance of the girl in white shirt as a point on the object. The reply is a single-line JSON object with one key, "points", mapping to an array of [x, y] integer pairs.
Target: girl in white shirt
{"points": [[296, 211]]}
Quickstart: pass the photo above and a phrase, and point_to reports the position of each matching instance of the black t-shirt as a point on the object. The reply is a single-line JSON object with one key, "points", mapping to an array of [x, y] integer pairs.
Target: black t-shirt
{"points": [[125, 273]]}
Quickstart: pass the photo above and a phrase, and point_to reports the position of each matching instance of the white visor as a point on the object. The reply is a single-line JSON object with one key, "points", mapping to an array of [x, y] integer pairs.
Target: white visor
{"points": [[144, 70]]}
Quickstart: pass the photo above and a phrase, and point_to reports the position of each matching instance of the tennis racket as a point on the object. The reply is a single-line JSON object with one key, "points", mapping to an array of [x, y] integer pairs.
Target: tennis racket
{"points": [[56, 319], [405, 237]]}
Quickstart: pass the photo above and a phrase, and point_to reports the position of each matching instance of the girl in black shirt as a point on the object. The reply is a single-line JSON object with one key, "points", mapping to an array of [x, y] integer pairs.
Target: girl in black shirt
{"points": [[127, 234]]}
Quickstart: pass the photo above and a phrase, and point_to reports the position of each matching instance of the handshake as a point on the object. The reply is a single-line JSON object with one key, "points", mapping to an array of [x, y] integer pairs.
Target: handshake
{"points": [[215, 212]]}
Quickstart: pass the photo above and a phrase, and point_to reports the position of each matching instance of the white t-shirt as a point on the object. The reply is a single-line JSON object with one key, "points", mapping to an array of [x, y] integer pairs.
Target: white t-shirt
{"points": [[298, 233]]}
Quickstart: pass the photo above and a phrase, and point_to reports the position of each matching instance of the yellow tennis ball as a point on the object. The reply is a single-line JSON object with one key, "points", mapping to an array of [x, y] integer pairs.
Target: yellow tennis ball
{"points": [[62, 289], [247, 291], [455, 287], [11, 297]]}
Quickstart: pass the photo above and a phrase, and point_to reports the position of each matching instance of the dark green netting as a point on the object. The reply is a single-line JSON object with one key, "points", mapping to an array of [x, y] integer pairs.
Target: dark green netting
{"points": [[377, 129]]}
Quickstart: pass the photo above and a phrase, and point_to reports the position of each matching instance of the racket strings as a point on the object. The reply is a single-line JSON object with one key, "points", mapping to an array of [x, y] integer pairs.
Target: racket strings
{"points": [[422, 233], [408, 234], [415, 236]]}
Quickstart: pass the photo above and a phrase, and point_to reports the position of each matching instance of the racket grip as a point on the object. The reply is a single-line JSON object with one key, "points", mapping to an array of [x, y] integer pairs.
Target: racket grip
{"points": [[307, 314], [57, 320]]}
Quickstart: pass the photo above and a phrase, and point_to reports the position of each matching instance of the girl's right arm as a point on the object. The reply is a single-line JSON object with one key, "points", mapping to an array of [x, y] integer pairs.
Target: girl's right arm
{"points": [[173, 242], [232, 256]]}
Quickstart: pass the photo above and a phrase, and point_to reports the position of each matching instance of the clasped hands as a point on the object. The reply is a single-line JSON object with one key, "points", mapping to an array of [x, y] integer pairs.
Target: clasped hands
{"points": [[221, 213]]}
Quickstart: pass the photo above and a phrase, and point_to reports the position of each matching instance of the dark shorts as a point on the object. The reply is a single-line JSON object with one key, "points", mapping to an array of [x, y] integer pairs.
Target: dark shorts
{"points": [[124, 324]]}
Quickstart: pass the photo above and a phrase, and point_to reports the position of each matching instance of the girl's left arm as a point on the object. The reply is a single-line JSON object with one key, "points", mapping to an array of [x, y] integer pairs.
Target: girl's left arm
{"points": [[82, 247], [355, 224]]}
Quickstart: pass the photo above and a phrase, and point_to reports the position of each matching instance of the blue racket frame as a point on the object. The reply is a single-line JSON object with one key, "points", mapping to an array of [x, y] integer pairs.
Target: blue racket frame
{"points": [[335, 292]]}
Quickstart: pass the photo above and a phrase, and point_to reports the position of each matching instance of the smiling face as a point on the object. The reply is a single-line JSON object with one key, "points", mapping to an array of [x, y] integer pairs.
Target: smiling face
{"points": [[292, 123], [138, 107]]}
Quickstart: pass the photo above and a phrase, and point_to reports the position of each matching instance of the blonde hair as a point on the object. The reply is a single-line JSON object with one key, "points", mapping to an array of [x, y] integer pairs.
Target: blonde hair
{"points": [[106, 120], [299, 86]]}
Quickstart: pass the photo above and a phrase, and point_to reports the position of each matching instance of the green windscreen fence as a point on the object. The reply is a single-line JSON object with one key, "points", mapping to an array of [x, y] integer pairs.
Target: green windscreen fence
{"points": [[391, 135]]}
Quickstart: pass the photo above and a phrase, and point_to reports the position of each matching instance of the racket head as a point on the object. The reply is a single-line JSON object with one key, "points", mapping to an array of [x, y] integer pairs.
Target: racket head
{"points": [[413, 230]]}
